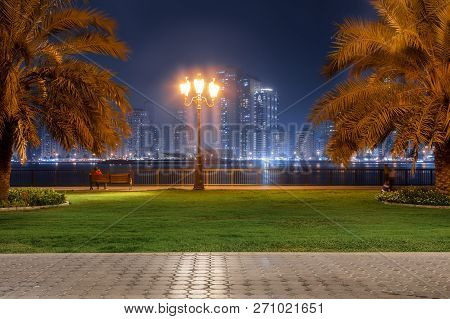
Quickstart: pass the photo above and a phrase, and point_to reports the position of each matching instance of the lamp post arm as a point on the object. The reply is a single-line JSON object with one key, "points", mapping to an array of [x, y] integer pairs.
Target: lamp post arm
{"points": [[209, 104], [189, 102]]}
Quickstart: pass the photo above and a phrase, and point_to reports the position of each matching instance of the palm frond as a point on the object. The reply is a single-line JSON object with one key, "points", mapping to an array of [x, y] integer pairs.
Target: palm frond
{"points": [[399, 79], [43, 83], [355, 40], [72, 20], [96, 43]]}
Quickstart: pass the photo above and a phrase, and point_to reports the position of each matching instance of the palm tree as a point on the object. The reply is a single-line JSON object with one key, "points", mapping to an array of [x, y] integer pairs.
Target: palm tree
{"points": [[399, 80], [47, 81]]}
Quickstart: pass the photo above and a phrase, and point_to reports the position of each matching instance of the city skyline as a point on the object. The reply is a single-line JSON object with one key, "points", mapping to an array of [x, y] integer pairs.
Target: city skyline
{"points": [[243, 126]]}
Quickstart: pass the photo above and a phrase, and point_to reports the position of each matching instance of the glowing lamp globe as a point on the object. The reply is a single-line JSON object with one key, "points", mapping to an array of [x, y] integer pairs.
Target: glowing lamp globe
{"points": [[185, 87], [199, 85], [213, 89]]}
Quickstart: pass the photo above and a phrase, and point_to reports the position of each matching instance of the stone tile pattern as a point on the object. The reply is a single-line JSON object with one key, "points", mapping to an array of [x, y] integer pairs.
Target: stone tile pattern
{"points": [[226, 275]]}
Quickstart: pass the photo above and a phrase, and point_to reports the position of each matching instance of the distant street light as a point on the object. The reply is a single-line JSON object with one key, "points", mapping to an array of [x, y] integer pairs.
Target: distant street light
{"points": [[198, 100]]}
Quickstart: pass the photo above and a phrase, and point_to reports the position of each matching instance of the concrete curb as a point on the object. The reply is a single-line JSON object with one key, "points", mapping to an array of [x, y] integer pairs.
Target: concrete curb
{"points": [[11, 209], [417, 206]]}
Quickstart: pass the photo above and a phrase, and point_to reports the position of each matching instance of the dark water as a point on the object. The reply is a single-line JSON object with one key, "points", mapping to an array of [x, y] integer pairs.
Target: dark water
{"points": [[117, 166]]}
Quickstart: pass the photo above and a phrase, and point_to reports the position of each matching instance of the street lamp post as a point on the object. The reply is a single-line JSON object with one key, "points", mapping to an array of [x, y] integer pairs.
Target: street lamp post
{"points": [[198, 100]]}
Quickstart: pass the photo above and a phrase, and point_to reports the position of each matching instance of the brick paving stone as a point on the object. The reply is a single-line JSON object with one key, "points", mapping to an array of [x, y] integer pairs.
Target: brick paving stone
{"points": [[226, 275]]}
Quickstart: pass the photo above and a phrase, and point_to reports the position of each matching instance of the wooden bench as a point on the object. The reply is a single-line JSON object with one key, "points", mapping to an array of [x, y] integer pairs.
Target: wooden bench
{"points": [[110, 179]]}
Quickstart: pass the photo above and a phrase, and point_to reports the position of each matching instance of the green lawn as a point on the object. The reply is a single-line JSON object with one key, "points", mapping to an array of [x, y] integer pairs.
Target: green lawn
{"points": [[178, 220]]}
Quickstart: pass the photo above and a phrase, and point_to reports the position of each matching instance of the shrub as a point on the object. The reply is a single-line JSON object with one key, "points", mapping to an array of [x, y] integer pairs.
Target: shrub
{"points": [[23, 197], [415, 196]]}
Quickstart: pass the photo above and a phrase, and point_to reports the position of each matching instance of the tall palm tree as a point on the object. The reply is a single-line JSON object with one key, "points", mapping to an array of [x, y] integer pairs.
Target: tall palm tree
{"points": [[47, 81], [399, 80]]}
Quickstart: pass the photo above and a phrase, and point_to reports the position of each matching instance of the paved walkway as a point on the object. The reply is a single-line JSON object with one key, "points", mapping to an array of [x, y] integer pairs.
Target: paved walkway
{"points": [[217, 187], [226, 275]]}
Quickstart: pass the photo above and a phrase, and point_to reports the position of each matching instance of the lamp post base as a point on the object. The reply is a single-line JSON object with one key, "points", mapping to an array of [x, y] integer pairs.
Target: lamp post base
{"points": [[199, 185]]}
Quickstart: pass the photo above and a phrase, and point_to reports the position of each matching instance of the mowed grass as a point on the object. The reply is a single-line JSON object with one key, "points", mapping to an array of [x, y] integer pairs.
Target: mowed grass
{"points": [[176, 220]]}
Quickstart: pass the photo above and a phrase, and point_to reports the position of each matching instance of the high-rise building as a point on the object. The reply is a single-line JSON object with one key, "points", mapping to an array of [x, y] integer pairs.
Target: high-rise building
{"points": [[246, 89], [237, 113], [49, 148], [137, 145], [167, 141], [183, 142], [290, 144], [228, 107], [306, 142], [322, 134], [278, 140], [265, 119]]}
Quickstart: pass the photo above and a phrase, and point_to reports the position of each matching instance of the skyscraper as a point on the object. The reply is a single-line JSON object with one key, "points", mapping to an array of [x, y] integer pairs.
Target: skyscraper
{"points": [[290, 143], [246, 89], [248, 117], [184, 137], [322, 134], [49, 148], [137, 145], [228, 106], [265, 118], [306, 142]]}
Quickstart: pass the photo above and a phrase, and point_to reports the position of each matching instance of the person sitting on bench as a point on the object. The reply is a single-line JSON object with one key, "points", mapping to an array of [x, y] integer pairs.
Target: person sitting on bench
{"points": [[97, 175], [97, 171]]}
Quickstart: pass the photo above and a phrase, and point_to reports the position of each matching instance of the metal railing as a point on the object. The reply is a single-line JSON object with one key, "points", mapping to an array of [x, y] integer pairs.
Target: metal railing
{"points": [[272, 176]]}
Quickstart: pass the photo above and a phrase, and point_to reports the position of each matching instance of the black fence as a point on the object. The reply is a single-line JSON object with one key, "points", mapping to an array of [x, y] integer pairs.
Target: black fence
{"points": [[318, 176]]}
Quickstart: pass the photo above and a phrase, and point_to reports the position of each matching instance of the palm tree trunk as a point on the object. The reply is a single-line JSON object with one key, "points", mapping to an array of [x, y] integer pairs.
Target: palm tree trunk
{"points": [[442, 168], [6, 147]]}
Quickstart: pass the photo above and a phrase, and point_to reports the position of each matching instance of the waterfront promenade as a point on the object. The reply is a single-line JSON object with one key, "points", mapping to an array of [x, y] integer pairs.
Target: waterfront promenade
{"points": [[66, 175]]}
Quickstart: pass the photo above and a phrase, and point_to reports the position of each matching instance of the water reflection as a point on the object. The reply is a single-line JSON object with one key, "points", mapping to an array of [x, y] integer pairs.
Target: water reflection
{"points": [[222, 164]]}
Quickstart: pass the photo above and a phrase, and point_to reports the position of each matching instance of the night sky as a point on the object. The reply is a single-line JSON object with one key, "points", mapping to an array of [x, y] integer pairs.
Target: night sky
{"points": [[282, 43]]}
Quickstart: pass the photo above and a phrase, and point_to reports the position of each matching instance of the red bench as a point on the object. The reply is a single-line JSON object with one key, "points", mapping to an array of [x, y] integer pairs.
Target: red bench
{"points": [[110, 179]]}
